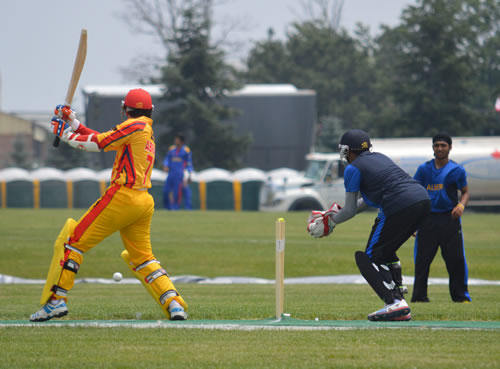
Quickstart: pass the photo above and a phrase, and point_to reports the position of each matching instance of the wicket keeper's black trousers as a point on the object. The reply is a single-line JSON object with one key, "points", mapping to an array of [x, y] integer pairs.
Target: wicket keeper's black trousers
{"points": [[389, 233], [440, 229]]}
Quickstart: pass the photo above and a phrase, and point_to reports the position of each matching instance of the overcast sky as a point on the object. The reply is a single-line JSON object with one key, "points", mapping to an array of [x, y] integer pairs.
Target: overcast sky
{"points": [[38, 41]]}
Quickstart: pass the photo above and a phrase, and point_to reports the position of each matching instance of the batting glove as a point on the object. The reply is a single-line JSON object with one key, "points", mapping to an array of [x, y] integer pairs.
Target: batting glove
{"points": [[320, 223], [61, 129], [65, 113]]}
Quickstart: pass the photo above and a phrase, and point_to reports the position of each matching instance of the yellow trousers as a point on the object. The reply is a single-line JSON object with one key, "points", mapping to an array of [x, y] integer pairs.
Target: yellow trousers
{"points": [[130, 212]]}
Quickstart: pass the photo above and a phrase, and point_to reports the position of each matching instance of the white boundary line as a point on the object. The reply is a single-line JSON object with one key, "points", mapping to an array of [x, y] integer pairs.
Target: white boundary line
{"points": [[332, 279]]}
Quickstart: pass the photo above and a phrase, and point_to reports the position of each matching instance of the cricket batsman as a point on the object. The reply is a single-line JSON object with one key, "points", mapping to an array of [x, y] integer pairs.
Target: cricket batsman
{"points": [[126, 206]]}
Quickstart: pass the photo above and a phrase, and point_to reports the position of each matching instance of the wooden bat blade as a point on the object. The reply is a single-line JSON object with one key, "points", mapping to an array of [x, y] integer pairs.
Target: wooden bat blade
{"points": [[77, 71], [78, 67]]}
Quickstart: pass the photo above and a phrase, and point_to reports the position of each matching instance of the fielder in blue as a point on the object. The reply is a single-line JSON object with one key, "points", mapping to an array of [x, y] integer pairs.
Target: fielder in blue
{"points": [[177, 160], [442, 178], [372, 179]]}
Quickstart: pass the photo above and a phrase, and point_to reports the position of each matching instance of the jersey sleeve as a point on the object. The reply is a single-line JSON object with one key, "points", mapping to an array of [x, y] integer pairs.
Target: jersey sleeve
{"points": [[352, 179], [83, 130], [166, 161], [419, 175], [189, 160], [460, 177], [120, 135]]}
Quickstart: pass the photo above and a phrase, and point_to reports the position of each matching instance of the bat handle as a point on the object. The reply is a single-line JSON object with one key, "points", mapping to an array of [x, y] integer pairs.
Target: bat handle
{"points": [[56, 141]]}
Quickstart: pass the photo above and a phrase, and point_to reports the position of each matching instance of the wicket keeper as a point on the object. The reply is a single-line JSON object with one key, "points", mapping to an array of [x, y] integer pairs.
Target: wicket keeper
{"points": [[126, 206], [372, 179], [442, 178]]}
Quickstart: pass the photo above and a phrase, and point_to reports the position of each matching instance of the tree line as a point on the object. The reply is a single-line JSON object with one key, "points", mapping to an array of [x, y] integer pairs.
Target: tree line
{"points": [[437, 70]]}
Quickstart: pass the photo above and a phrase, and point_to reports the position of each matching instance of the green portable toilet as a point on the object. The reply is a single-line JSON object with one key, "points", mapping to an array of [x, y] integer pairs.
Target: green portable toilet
{"points": [[220, 195], [251, 181], [85, 187], [195, 193], [219, 188], [52, 187], [17, 188]]}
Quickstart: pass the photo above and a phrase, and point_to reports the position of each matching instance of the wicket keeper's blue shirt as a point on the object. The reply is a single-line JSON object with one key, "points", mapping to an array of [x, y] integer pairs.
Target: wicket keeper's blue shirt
{"points": [[442, 184], [382, 183], [177, 160]]}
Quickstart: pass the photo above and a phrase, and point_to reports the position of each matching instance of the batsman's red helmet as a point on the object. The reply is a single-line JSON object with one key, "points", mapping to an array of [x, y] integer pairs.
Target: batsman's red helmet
{"points": [[138, 99]]}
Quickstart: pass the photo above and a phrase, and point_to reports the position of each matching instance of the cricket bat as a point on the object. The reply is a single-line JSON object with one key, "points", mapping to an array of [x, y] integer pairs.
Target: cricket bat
{"points": [[77, 71]]}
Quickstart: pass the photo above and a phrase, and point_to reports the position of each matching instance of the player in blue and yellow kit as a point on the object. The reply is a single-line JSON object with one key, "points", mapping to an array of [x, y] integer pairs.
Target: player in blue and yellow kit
{"points": [[442, 178], [126, 206], [372, 179], [176, 188]]}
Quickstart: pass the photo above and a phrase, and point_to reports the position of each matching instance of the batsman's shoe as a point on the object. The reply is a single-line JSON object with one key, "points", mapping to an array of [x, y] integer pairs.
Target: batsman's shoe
{"points": [[50, 310], [391, 312], [176, 311]]}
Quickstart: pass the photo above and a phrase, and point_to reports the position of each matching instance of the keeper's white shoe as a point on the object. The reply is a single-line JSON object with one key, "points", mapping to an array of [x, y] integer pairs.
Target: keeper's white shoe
{"points": [[177, 312], [397, 311], [50, 310]]}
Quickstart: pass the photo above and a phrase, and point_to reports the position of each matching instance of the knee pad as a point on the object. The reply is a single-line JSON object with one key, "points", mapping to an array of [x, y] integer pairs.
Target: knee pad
{"points": [[65, 264], [156, 281]]}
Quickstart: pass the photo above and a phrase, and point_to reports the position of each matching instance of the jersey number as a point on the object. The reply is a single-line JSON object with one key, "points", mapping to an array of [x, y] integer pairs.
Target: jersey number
{"points": [[151, 160]]}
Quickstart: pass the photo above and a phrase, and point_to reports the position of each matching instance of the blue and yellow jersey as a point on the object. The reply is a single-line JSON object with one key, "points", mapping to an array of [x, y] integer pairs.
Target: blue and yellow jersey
{"points": [[442, 184], [134, 143], [178, 159]]}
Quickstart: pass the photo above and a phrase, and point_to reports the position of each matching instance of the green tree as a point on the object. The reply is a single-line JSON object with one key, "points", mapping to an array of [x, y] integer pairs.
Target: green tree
{"points": [[443, 69], [318, 56], [197, 80], [330, 133], [269, 62], [19, 156]]}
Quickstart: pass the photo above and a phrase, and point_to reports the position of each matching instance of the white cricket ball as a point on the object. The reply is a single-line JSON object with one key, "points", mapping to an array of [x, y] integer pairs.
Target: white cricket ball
{"points": [[117, 277], [316, 319]]}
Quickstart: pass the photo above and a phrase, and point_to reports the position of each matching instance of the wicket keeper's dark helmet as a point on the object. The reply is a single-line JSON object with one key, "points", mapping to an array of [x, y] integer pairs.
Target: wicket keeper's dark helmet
{"points": [[356, 140]]}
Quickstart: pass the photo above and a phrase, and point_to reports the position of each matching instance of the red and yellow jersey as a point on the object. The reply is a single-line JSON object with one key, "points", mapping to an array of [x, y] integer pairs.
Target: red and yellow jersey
{"points": [[134, 143]]}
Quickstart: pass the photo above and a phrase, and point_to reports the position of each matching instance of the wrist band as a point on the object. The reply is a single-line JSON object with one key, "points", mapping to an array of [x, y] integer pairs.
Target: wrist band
{"points": [[462, 205]]}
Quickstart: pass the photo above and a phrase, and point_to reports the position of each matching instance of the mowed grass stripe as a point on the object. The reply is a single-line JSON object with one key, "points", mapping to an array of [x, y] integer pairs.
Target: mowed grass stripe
{"points": [[212, 244]]}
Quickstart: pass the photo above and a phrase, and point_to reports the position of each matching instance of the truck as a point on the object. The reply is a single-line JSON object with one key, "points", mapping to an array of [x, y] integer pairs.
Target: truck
{"points": [[322, 182]]}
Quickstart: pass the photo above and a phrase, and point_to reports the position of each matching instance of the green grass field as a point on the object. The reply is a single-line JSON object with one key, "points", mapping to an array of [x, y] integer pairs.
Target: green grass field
{"points": [[240, 244]]}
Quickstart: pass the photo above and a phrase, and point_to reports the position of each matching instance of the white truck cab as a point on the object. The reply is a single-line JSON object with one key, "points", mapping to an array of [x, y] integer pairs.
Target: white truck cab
{"points": [[318, 187]]}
